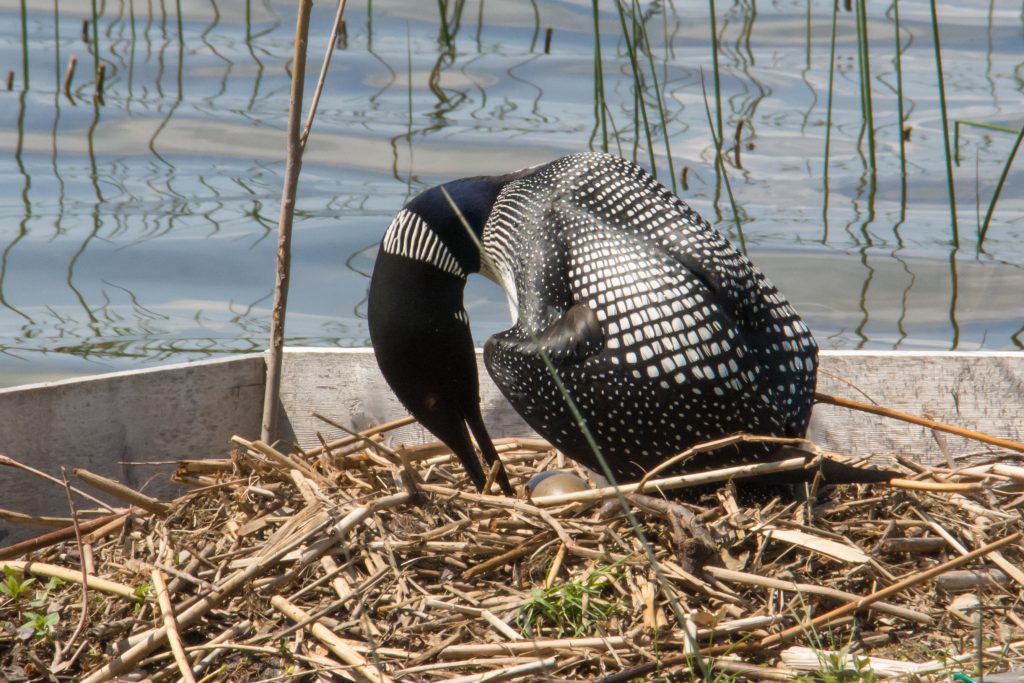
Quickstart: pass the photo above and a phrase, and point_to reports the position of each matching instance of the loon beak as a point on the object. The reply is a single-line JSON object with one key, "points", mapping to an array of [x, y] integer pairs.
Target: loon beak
{"points": [[442, 416]]}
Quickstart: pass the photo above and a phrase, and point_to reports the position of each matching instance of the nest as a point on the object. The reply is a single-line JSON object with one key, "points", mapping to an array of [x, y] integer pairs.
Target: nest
{"points": [[358, 562]]}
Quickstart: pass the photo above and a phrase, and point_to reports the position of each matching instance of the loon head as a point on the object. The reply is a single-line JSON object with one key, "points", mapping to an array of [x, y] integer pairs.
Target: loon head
{"points": [[418, 326]]}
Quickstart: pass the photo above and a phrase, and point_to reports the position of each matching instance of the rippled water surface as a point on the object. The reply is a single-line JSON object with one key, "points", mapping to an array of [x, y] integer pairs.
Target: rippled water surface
{"points": [[139, 227]]}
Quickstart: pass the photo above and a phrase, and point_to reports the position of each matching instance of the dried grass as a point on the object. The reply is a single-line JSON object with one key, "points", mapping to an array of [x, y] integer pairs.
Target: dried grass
{"points": [[346, 564]]}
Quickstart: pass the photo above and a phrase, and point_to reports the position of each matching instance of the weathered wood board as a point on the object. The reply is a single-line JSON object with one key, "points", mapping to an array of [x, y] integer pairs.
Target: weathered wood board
{"points": [[105, 422], [982, 391], [190, 410], [346, 386]]}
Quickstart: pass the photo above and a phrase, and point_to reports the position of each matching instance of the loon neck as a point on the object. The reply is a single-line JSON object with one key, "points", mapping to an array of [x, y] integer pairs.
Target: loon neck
{"points": [[461, 231]]}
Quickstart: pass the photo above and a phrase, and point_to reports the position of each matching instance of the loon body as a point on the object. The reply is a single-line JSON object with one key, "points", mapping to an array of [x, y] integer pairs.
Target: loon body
{"points": [[661, 332]]}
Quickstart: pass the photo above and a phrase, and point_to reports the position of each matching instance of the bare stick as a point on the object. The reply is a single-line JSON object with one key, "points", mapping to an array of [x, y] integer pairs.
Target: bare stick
{"points": [[55, 537], [284, 226], [339, 25], [531, 669], [671, 483], [348, 440], [43, 521], [861, 603], [65, 574], [722, 443], [923, 421], [81, 554], [388, 453], [492, 474], [173, 637], [124, 493], [778, 584], [938, 486]]}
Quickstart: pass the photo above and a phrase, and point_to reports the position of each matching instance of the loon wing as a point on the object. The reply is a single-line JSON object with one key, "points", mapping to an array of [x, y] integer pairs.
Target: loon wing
{"points": [[663, 364]]}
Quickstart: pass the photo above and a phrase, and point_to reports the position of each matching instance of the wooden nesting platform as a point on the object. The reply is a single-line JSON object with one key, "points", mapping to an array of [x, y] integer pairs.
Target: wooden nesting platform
{"points": [[365, 559]]}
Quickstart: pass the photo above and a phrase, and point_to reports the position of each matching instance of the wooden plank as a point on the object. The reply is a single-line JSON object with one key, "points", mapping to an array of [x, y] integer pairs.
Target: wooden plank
{"points": [[102, 422], [346, 386], [191, 410], [982, 391]]}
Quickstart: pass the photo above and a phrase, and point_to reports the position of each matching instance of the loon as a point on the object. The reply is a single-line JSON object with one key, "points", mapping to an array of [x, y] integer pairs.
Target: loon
{"points": [[660, 331]]}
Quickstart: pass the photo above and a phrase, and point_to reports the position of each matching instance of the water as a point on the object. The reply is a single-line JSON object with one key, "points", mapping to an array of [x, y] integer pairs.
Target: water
{"points": [[140, 229]]}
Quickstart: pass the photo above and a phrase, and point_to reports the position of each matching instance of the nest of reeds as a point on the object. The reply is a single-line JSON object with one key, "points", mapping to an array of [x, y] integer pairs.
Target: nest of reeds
{"points": [[358, 562]]}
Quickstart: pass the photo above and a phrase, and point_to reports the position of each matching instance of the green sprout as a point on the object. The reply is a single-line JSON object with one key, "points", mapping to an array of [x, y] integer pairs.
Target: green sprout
{"points": [[572, 608], [38, 624], [13, 586]]}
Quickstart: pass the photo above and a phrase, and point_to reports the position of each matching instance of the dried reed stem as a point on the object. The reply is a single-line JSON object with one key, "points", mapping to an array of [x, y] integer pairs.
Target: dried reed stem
{"points": [[861, 603], [923, 421], [121, 492], [673, 483], [72, 575], [173, 637]]}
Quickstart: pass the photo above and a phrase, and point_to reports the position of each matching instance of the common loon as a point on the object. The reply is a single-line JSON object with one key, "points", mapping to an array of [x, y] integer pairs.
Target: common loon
{"points": [[661, 332]]}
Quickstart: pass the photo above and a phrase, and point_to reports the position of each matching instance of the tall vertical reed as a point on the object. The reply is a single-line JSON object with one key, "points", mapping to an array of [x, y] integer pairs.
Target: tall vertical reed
{"points": [[445, 37], [720, 164], [864, 58], [999, 188], [716, 130], [600, 106], [828, 115], [24, 46], [658, 94], [714, 62], [945, 126], [638, 84], [899, 107]]}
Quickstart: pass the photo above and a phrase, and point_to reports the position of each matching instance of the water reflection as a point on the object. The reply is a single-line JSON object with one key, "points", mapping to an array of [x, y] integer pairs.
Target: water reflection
{"points": [[136, 222]]}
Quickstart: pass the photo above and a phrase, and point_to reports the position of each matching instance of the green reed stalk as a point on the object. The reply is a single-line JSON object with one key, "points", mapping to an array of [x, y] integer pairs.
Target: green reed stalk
{"points": [[600, 106], [976, 124], [638, 85], [615, 129], [714, 62], [945, 126], [864, 55], [986, 126], [999, 188], [24, 46], [442, 8], [637, 103], [899, 100], [828, 114], [720, 164], [94, 27], [658, 96]]}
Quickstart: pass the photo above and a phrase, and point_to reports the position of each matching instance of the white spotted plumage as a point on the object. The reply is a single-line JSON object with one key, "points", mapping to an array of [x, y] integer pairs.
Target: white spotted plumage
{"points": [[697, 342]]}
